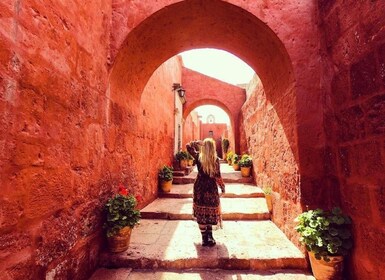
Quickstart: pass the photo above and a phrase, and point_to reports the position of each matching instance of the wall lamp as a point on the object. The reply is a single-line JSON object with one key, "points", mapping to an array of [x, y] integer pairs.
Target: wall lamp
{"points": [[181, 91]]}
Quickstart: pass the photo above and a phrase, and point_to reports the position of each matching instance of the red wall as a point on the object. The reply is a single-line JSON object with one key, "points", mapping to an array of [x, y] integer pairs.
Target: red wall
{"points": [[204, 90], [191, 128], [64, 144], [273, 161], [354, 85]]}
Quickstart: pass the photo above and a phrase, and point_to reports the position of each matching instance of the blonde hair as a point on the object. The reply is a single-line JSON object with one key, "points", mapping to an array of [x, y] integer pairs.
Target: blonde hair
{"points": [[208, 156]]}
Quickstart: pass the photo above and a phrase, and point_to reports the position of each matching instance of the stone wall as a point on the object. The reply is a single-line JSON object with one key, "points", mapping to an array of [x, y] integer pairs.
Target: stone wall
{"points": [[64, 143], [354, 66], [191, 128], [274, 163]]}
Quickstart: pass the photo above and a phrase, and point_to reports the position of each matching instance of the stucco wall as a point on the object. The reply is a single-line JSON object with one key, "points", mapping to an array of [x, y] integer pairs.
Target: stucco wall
{"points": [[64, 143], [354, 85]]}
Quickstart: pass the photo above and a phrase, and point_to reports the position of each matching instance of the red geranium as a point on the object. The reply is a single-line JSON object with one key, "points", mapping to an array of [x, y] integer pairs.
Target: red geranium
{"points": [[122, 190]]}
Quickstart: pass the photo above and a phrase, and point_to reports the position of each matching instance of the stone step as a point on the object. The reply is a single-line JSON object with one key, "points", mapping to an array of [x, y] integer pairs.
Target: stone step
{"points": [[228, 178], [232, 209], [212, 274], [246, 245], [233, 190]]}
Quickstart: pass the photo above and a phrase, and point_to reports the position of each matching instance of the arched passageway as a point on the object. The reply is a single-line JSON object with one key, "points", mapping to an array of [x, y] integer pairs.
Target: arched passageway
{"points": [[192, 24]]}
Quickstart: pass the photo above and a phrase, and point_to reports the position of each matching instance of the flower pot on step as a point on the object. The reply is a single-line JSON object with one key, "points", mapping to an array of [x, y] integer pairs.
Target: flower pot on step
{"points": [[236, 167], [183, 163], [245, 171], [323, 270], [166, 185], [269, 202], [120, 242]]}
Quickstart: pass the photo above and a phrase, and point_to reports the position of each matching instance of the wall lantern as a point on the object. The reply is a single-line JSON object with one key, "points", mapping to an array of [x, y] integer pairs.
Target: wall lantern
{"points": [[181, 91]]}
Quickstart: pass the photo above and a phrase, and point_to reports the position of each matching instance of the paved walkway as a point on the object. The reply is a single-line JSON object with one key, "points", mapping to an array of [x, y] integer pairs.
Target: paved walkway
{"points": [[167, 243]]}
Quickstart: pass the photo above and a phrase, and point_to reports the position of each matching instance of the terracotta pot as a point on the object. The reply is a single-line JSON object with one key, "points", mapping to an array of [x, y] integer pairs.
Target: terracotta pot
{"points": [[183, 163], [269, 202], [120, 242], [229, 162], [166, 185], [236, 167], [245, 171], [323, 270], [190, 162]]}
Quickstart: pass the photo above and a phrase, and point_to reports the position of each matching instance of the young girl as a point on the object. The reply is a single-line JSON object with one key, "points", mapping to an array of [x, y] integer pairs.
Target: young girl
{"points": [[206, 207]]}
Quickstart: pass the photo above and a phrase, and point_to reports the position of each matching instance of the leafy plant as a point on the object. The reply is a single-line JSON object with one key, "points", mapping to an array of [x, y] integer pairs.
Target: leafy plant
{"points": [[267, 190], [189, 156], [225, 145], [230, 156], [120, 211], [235, 159], [325, 233], [246, 161], [165, 173], [181, 155]]}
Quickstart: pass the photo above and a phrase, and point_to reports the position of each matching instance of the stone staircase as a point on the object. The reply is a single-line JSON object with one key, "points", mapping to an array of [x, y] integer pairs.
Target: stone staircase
{"points": [[167, 243]]}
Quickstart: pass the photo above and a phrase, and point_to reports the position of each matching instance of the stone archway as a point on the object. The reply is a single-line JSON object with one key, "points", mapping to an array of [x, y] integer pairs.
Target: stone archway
{"points": [[204, 90], [190, 24]]}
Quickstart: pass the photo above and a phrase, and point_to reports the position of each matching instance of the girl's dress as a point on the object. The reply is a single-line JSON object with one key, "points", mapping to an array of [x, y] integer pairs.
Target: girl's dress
{"points": [[206, 203]]}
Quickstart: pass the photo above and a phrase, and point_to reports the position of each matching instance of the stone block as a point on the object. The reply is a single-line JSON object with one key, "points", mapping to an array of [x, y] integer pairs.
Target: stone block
{"points": [[381, 57], [375, 115], [340, 88], [363, 76], [351, 124]]}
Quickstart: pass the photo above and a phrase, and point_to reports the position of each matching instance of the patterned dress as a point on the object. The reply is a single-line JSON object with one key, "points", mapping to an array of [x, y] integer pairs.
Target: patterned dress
{"points": [[206, 204]]}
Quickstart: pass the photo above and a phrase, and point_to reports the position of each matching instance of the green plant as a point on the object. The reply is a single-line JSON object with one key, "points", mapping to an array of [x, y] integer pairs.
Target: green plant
{"points": [[230, 156], [120, 211], [189, 156], [325, 233], [246, 161], [165, 173], [235, 159], [267, 190], [181, 155], [225, 145]]}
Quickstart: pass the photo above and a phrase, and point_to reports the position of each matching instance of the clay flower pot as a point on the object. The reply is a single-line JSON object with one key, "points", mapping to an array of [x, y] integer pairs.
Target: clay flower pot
{"points": [[166, 185], [236, 167], [323, 270], [245, 171], [183, 163], [120, 241], [269, 202]]}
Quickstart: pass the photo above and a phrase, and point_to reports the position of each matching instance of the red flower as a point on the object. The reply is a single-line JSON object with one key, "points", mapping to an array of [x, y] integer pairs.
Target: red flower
{"points": [[138, 198], [122, 190]]}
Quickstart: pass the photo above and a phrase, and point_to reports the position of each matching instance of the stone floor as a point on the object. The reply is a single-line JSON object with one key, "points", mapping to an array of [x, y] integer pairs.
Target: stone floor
{"points": [[167, 243]]}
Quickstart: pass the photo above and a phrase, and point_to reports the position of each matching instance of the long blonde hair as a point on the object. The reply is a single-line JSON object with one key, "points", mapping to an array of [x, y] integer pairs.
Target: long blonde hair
{"points": [[208, 156]]}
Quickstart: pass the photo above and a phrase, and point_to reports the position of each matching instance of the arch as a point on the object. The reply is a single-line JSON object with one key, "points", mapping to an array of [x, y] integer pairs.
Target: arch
{"points": [[192, 24]]}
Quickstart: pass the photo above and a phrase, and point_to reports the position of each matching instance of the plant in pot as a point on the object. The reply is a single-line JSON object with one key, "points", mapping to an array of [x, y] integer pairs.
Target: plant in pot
{"points": [[182, 157], [165, 177], [120, 217], [327, 237], [225, 147], [268, 195], [245, 163], [190, 159], [230, 157], [235, 161]]}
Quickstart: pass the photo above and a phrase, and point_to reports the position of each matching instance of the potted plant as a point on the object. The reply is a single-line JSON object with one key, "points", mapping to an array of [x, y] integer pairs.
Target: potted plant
{"points": [[327, 237], [245, 163], [182, 157], [190, 159], [268, 195], [230, 157], [225, 147], [165, 177], [120, 217], [235, 161]]}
